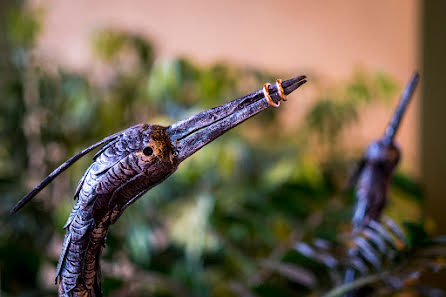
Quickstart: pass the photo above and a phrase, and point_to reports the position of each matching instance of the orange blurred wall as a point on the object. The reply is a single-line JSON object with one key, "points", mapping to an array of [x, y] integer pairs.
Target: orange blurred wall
{"points": [[329, 38]]}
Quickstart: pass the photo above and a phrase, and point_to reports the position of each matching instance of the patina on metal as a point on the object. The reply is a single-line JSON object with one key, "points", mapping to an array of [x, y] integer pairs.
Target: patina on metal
{"points": [[372, 177], [129, 164]]}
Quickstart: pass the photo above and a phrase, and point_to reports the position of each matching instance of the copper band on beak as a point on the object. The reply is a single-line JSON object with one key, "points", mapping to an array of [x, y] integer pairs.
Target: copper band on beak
{"points": [[280, 89], [268, 96]]}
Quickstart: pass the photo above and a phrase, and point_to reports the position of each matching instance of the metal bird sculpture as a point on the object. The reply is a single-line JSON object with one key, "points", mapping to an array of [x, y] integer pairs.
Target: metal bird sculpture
{"points": [[130, 163], [373, 173]]}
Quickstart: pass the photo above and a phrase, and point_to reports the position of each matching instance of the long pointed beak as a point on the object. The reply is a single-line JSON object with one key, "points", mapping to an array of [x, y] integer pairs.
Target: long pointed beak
{"points": [[394, 124], [191, 134]]}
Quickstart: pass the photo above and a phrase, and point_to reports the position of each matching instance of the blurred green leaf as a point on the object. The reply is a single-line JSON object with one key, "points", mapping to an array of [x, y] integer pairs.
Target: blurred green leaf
{"points": [[23, 26]]}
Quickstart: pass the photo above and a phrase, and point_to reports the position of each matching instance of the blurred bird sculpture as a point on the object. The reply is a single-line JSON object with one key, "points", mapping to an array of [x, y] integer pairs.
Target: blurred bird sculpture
{"points": [[373, 174], [129, 164], [374, 171]]}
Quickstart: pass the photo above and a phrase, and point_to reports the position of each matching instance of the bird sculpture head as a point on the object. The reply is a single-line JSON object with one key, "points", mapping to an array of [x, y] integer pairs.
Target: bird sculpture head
{"points": [[142, 156]]}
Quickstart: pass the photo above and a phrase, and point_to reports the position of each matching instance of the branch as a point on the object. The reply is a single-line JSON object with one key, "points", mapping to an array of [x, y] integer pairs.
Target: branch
{"points": [[360, 282]]}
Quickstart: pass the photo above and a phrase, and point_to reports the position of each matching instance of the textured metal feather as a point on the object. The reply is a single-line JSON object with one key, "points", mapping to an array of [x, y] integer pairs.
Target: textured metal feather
{"points": [[129, 164], [47, 180], [118, 174]]}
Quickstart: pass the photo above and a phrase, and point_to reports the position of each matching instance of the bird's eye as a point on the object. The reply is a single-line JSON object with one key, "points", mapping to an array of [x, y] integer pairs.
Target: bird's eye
{"points": [[148, 151]]}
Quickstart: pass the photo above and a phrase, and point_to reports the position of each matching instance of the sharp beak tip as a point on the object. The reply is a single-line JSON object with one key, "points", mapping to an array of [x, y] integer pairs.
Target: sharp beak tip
{"points": [[191, 134], [294, 83]]}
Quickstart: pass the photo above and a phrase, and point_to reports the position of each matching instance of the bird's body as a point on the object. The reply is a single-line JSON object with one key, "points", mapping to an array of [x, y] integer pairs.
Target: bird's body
{"points": [[129, 164], [373, 182], [120, 173]]}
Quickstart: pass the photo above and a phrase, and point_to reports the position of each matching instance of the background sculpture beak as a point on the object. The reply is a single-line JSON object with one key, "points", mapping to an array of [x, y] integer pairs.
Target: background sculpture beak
{"points": [[394, 124], [191, 134]]}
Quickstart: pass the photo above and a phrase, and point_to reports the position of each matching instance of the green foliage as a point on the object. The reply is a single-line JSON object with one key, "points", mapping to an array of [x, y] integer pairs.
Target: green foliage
{"points": [[226, 223], [23, 26], [332, 113]]}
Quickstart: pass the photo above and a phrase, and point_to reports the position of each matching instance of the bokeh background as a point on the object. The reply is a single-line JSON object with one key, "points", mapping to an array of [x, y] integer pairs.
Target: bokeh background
{"points": [[73, 72]]}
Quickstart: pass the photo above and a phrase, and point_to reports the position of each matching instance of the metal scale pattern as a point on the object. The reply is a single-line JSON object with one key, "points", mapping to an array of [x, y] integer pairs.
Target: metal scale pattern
{"points": [[120, 174], [129, 164]]}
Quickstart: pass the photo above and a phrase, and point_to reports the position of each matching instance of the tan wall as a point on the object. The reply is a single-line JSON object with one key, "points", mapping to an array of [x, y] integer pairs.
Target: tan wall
{"points": [[326, 37]]}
